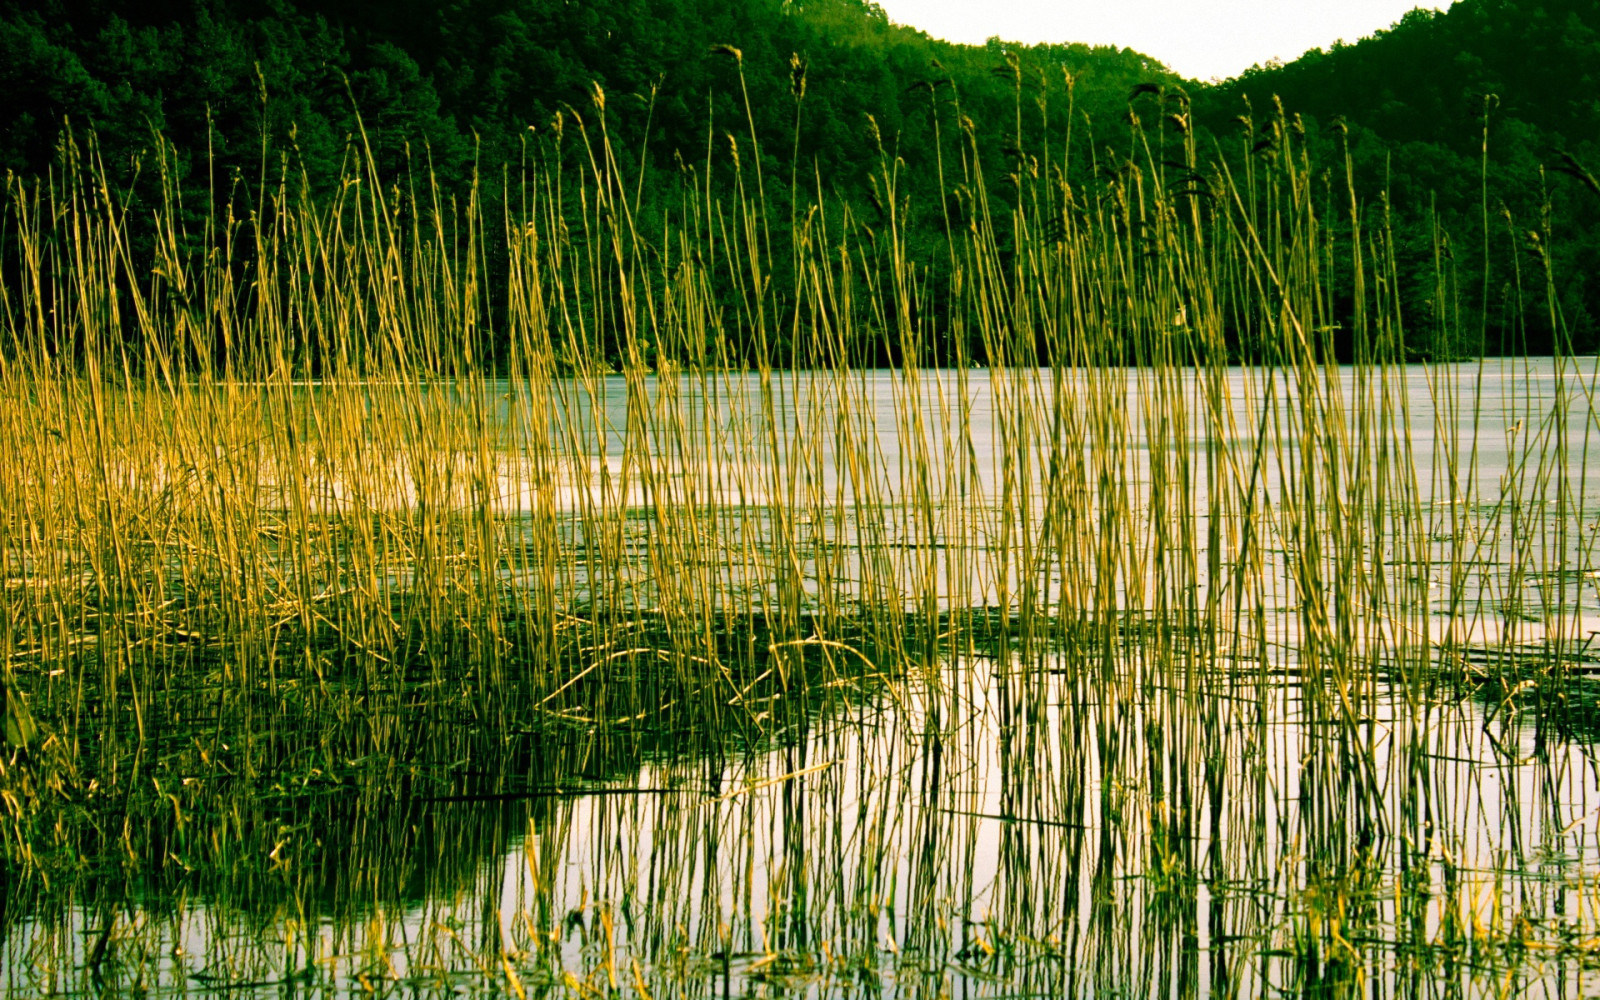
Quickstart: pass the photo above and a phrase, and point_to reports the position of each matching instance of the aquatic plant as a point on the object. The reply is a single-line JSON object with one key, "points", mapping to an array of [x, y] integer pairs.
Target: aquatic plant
{"points": [[361, 491]]}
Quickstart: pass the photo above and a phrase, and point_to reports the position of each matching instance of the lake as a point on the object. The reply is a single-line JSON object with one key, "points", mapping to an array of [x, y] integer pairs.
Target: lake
{"points": [[1178, 684]]}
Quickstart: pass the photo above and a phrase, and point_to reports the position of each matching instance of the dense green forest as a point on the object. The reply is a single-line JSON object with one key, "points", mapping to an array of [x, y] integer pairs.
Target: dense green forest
{"points": [[1485, 114], [472, 82]]}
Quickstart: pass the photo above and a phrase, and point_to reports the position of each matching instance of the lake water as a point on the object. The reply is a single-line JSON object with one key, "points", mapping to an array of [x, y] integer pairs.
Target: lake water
{"points": [[1126, 803]]}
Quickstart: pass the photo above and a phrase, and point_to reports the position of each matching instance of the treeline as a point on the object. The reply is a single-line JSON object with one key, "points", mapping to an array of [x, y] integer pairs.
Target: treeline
{"points": [[227, 96], [467, 100]]}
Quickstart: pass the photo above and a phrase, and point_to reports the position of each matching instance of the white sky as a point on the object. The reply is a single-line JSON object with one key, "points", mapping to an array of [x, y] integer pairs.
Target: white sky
{"points": [[1200, 39]]}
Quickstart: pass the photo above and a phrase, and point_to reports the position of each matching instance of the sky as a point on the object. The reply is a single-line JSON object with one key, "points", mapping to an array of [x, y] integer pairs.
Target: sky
{"points": [[1199, 39]]}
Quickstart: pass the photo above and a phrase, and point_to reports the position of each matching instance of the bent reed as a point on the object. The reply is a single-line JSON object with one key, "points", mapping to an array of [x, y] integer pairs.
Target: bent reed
{"points": [[387, 474]]}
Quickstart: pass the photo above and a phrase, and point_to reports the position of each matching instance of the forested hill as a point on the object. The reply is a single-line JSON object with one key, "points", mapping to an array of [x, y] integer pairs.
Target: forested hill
{"points": [[1415, 101], [1425, 78], [470, 78], [242, 88]]}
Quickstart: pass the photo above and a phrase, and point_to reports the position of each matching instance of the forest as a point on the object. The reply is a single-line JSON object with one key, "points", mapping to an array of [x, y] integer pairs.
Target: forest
{"points": [[1470, 134]]}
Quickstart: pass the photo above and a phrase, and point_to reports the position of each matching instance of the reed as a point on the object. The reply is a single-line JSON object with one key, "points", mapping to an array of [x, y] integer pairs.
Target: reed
{"points": [[322, 493]]}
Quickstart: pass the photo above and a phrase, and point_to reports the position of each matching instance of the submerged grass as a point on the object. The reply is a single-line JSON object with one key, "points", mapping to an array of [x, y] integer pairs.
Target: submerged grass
{"points": [[310, 507]]}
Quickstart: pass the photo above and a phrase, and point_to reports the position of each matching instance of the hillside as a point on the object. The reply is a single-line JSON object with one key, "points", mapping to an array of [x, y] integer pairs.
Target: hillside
{"points": [[244, 91], [1488, 109], [471, 79]]}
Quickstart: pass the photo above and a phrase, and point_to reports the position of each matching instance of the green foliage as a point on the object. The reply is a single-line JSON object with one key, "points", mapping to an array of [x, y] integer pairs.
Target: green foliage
{"points": [[240, 90], [241, 78], [1466, 119]]}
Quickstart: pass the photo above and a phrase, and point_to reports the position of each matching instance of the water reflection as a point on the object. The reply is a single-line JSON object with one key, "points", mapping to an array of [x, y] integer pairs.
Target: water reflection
{"points": [[1019, 827]]}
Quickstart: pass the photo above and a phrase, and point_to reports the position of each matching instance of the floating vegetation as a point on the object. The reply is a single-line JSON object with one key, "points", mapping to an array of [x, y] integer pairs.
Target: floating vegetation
{"points": [[698, 607]]}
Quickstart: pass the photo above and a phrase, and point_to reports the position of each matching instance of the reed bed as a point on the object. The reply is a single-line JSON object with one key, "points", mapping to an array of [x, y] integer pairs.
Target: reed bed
{"points": [[339, 494]]}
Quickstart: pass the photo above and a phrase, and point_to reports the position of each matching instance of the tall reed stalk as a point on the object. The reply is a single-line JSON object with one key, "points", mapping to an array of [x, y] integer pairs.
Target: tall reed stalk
{"points": [[321, 480]]}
